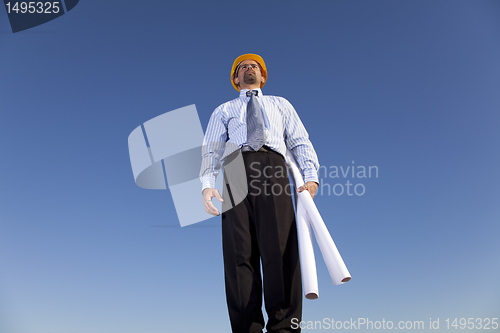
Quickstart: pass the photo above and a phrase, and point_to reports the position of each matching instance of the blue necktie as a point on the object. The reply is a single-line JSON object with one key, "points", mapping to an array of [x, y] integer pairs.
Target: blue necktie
{"points": [[255, 122]]}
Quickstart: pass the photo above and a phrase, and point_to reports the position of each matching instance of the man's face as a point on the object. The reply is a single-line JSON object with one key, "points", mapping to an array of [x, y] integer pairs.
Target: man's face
{"points": [[249, 74]]}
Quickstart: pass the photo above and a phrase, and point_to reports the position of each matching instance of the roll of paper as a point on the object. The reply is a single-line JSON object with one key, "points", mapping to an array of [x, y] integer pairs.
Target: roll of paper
{"points": [[306, 252], [334, 262]]}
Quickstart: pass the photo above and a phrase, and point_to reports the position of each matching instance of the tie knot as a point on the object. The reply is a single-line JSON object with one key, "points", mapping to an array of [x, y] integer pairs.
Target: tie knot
{"points": [[252, 92]]}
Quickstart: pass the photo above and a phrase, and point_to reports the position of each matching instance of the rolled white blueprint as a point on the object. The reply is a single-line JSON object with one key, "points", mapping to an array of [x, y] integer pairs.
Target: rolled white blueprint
{"points": [[306, 252], [336, 266]]}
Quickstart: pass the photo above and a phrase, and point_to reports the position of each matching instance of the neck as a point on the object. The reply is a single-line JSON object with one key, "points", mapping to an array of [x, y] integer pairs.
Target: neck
{"points": [[250, 87]]}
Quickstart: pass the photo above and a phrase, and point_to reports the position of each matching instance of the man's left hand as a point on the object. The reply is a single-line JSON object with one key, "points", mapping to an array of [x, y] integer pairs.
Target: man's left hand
{"points": [[310, 186]]}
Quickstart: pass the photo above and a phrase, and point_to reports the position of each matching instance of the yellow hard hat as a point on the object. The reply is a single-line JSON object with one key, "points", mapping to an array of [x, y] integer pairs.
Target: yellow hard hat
{"points": [[249, 56]]}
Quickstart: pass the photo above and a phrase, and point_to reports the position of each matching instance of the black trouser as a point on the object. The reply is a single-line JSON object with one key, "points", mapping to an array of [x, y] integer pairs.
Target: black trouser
{"points": [[262, 227]]}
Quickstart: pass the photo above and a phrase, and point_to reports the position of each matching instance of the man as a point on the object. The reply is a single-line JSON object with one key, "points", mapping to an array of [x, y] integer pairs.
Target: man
{"points": [[261, 226]]}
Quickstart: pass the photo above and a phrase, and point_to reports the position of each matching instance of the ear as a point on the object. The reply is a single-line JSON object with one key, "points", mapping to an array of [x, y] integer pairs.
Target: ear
{"points": [[236, 81], [263, 79]]}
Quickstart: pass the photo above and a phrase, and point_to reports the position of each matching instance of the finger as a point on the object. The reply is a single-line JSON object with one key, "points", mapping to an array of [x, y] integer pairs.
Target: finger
{"points": [[217, 195], [210, 208], [313, 191], [206, 201]]}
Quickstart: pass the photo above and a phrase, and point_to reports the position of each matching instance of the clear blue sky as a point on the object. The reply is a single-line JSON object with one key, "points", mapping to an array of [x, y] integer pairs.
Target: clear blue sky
{"points": [[411, 87]]}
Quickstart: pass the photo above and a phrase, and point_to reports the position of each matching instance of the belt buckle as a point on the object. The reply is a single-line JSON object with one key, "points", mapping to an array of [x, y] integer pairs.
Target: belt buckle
{"points": [[246, 149]]}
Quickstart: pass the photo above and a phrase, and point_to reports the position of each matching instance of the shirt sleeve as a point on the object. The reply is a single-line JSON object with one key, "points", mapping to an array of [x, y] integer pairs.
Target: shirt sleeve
{"points": [[297, 140], [212, 149]]}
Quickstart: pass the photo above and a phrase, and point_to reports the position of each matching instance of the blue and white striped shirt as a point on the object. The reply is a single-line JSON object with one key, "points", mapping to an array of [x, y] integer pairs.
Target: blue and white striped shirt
{"points": [[227, 132]]}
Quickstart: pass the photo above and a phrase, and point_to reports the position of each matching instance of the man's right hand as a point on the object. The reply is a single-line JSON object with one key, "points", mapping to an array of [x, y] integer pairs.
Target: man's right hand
{"points": [[208, 194]]}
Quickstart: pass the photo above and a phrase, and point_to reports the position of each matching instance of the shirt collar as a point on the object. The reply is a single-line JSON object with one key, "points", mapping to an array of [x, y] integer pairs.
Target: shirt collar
{"points": [[243, 92]]}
